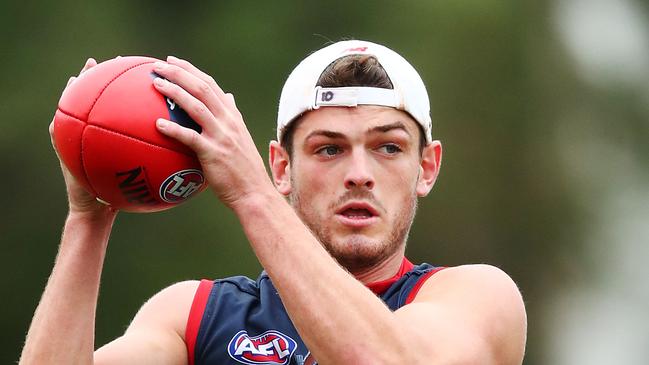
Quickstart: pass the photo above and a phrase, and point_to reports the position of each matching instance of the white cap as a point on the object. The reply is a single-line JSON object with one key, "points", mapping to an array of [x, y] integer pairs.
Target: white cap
{"points": [[300, 93]]}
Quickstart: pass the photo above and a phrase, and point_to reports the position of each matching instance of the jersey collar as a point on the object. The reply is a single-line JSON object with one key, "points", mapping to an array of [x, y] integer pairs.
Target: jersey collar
{"points": [[379, 287]]}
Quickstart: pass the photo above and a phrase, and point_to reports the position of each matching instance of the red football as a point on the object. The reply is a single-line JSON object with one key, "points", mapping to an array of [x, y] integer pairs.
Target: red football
{"points": [[104, 131]]}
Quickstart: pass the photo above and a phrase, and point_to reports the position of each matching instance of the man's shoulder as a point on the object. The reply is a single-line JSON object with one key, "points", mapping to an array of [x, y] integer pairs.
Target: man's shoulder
{"points": [[181, 287], [175, 296], [470, 279], [484, 292], [168, 309], [482, 272], [192, 288], [478, 301]]}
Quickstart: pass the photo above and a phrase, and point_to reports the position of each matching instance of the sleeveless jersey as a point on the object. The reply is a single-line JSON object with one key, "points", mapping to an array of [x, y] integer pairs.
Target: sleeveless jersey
{"points": [[237, 320]]}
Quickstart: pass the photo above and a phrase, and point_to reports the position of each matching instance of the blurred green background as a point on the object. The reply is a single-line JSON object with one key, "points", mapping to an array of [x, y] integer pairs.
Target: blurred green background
{"points": [[542, 107]]}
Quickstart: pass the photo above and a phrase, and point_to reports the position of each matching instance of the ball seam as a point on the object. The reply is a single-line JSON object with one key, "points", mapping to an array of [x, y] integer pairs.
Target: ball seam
{"points": [[120, 133], [123, 135], [111, 81], [83, 165], [137, 140], [83, 162], [101, 92]]}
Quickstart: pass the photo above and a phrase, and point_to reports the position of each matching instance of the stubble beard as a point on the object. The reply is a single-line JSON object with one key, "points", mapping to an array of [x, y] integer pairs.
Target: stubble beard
{"points": [[357, 252]]}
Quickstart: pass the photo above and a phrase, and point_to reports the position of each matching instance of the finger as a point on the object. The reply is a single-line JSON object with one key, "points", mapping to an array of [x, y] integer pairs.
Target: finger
{"points": [[187, 66], [198, 89], [90, 63], [230, 100], [192, 83], [196, 109], [186, 136], [51, 130]]}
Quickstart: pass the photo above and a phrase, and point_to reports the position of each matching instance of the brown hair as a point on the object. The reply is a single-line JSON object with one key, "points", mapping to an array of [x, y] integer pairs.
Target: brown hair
{"points": [[352, 70], [355, 70]]}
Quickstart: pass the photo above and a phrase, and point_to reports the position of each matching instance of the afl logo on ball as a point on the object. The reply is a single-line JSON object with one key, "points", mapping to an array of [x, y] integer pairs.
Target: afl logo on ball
{"points": [[181, 185]]}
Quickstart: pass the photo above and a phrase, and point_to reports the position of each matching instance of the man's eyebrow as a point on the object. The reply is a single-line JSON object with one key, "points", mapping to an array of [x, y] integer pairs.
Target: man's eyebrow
{"points": [[381, 128], [388, 127], [324, 133]]}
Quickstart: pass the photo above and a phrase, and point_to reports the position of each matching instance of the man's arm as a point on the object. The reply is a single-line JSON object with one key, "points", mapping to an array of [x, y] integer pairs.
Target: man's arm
{"points": [[63, 327], [471, 314], [340, 320]]}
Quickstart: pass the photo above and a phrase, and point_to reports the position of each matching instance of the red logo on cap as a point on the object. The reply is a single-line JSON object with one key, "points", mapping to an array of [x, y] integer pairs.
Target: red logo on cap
{"points": [[357, 49]]}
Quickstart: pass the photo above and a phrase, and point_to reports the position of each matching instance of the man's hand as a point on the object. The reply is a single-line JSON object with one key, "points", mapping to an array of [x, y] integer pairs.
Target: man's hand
{"points": [[79, 199], [225, 149]]}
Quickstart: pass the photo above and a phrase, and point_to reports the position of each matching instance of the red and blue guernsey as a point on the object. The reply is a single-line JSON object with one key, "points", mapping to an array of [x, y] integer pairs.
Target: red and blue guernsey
{"points": [[237, 320]]}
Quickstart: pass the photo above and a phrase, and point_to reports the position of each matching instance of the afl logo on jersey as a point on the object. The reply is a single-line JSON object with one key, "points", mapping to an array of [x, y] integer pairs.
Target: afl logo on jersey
{"points": [[271, 347], [181, 185]]}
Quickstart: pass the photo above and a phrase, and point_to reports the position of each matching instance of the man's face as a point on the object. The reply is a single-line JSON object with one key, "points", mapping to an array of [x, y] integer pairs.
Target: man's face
{"points": [[354, 173]]}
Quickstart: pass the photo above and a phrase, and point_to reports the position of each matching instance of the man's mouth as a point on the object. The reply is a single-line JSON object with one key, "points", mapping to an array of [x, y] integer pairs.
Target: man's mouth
{"points": [[357, 214], [354, 213]]}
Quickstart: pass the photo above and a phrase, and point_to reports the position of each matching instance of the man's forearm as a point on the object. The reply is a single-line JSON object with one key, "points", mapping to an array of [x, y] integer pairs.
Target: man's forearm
{"points": [[337, 317], [62, 329]]}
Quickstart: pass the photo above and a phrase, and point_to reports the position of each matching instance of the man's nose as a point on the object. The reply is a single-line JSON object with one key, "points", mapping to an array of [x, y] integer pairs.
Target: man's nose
{"points": [[359, 172]]}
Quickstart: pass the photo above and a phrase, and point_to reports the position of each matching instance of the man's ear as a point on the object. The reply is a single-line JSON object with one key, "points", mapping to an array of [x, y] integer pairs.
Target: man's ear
{"points": [[280, 167], [431, 160]]}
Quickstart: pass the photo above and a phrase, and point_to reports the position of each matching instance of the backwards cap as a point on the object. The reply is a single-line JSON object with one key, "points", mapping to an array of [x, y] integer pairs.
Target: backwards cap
{"points": [[300, 93]]}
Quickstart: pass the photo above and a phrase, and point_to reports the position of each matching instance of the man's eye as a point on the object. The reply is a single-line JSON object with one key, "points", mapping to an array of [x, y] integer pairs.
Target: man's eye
{"points": [[328, 151], [390, 149]]}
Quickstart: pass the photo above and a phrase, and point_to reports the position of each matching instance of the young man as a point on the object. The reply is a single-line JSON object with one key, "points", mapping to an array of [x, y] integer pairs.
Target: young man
{"points": [[354, 153]]}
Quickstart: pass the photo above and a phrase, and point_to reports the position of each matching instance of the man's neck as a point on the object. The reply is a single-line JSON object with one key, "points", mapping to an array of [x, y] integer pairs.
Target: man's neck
{"points": [[381, 271]]}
